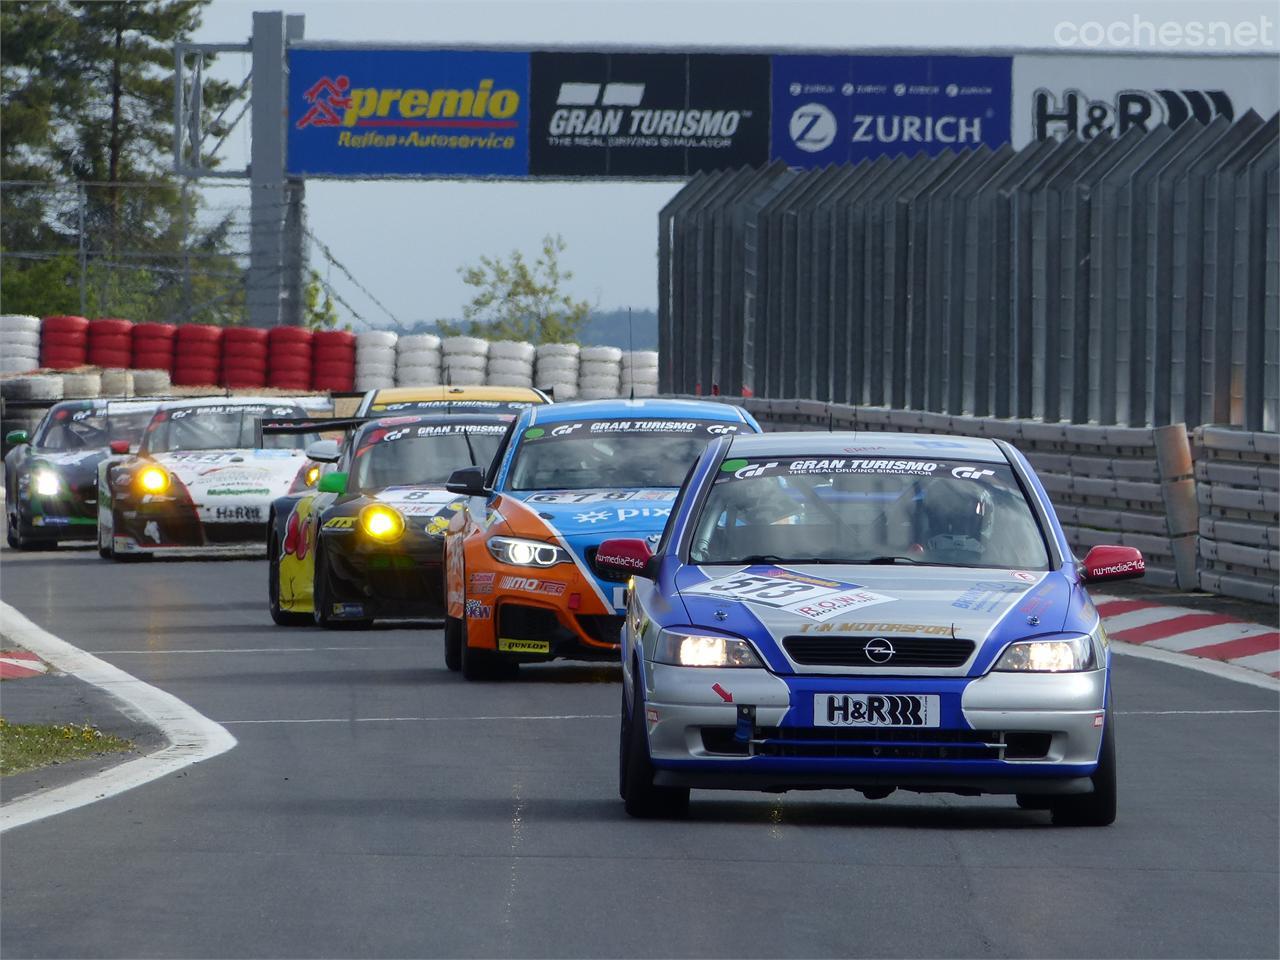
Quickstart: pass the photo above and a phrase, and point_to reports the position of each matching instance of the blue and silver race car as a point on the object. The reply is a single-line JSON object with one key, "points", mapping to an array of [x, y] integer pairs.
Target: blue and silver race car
{"points": [[866, 611]]}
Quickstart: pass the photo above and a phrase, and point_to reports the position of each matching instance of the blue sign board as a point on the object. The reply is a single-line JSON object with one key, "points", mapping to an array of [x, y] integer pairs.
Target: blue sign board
{"points": [[408, 113], [834, 109]]}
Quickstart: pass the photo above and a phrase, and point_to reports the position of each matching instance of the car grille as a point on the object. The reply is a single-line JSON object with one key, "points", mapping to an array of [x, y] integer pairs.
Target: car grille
{"points": [[837, 651], [873, 743]]}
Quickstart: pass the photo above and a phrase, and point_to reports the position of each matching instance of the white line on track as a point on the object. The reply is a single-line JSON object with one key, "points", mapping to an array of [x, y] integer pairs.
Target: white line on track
{"points": [[567, 716], [191, 736], [1171, 713], [1227, 671], [404, 646]]}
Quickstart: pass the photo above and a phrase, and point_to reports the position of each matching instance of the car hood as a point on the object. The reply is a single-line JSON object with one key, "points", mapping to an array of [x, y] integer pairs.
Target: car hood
{"points": [[597, 514], [232, 474], [77, 467], [424, 507], [990, 607]]}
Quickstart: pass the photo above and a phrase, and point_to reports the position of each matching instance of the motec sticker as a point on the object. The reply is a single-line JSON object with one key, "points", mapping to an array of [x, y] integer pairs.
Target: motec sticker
{"points": [[408, 113], [814, 598]]}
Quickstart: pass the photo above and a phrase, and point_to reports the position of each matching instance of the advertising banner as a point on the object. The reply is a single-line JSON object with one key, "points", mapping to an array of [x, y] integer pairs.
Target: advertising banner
{"points": [[1062, 96], [408, 113], [605, 115], [834, 109]]}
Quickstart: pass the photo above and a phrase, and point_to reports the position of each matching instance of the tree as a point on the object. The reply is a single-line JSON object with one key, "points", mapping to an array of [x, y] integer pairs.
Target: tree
{"points": [[318, 311], [517, 300], [86, 91]]}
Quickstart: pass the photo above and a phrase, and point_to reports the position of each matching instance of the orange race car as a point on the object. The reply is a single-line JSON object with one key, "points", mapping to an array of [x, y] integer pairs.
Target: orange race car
{"points": [[519, 557]]}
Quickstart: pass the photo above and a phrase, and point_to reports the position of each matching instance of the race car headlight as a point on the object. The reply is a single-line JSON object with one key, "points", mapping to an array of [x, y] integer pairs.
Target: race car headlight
{"points": [[311, 476], [153, 480], [527, 553], [47, 483], [382, 523], [682, 649], [1059, 655]]}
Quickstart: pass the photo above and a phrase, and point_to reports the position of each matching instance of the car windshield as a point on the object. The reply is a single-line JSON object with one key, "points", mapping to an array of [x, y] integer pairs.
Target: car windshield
{"points": [[220, 428], [843, 510], [611, 453], [66, 428], [388, 456]]}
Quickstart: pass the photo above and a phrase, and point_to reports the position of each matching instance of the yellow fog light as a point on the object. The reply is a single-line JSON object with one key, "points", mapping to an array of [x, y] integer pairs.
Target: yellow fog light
{"points": [[382, 523], [153, 480], [311, 476], [46, 483]]}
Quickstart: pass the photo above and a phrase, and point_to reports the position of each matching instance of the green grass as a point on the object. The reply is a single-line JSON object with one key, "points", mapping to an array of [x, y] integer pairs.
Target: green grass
{"points": [[26, 746]]}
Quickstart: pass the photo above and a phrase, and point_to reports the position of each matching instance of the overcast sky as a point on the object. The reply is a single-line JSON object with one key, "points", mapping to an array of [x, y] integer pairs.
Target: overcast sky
{"points": [[405, 240]]}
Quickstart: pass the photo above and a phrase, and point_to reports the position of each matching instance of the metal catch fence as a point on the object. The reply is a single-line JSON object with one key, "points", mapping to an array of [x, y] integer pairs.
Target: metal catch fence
{"points": [[1130, 281]]}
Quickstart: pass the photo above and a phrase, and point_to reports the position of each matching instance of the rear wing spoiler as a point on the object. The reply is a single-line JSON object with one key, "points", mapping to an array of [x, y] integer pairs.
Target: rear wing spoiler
{"points": [[274, 426]]}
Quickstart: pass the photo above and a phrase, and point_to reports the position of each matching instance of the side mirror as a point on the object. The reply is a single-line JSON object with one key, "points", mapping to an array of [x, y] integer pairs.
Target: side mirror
{"points": [[335, 482], [119, 447], [15, 437], [324, 451], [468, 481], [1113, 563], [622, 559]]}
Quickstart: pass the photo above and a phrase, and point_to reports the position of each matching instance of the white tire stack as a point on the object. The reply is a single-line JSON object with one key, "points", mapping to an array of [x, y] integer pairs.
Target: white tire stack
{"points": [[599, 372], [375, 360], [556, 369], [510, 363], [418, 360], [151, 383], [639, 374], [117, 382], [464, 361], [19, 343], [81, 386]]}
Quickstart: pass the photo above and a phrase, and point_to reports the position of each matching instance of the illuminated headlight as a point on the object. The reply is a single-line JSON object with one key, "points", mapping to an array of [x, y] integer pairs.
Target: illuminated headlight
{"points": [[704, 650], [153, 480], [1060, 655], [382, 523], [311, 476], [47, 483], [527, 553]]}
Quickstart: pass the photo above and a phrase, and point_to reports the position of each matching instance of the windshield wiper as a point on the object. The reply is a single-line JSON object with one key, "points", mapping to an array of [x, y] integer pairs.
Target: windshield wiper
{"points": [[774, 558], [888, 559]]}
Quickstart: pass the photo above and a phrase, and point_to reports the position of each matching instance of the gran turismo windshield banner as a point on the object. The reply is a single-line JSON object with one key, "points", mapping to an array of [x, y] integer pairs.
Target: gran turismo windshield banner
{"points": [[584, 429]]}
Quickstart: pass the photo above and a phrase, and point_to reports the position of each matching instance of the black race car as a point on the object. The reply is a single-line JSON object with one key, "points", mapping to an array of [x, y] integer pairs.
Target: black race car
{"points": [[368, 541], [51, 478]]}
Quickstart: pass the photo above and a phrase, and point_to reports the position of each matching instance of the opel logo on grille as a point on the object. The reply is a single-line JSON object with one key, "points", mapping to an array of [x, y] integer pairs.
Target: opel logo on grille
{"points": [[878, 650]]}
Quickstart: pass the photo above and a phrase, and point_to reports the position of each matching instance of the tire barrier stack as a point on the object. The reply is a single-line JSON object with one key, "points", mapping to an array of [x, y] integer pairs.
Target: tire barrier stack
{"points": [[510, 364], [119, 382], [197, 355], [289, 353], [19, 343], [110, 343], [153, 346], [556, 369], [639, 374], [1238, 487], [375, 360], [333, 360], [418, 360], [599, 372], [64, 343], [465, 360], [244, 357], [24, 400]]}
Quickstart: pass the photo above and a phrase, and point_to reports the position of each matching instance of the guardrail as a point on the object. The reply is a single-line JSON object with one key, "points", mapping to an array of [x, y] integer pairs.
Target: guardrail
{"points": [[1238, 488], [1128, 485]]}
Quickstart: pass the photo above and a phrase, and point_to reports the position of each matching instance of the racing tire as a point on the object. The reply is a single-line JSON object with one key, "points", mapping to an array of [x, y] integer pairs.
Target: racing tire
{"points": [[322, 603], [641, 798], [106, 550], [453, 628], [1096, 809], [480, 665], [19, 542], [281, 618]]}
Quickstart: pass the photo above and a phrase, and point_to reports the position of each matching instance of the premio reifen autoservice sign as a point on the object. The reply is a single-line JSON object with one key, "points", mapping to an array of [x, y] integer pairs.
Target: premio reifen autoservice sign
{"points": [[842, 109], [408, 113], [630, 115]]}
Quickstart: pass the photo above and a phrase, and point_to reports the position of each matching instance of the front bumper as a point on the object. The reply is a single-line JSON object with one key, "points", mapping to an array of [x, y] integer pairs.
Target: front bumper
{"points": [[64, 516], [402, 580], [999, 733], [171, 526]]}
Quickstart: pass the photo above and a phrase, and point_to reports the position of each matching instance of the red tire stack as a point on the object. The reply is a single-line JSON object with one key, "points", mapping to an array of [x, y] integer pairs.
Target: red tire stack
{"points": [[153, 345], [111, 343], [244, 357], [64, 342], [197, 358], [333, 360], [289, 358]]}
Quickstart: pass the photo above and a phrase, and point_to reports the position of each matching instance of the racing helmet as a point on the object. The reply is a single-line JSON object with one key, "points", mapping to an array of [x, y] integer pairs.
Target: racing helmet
{"points": [[955, 514]]}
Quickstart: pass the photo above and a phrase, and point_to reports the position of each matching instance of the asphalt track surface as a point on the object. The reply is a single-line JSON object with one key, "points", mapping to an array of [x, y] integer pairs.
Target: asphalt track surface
{"points": [[377, 805]]}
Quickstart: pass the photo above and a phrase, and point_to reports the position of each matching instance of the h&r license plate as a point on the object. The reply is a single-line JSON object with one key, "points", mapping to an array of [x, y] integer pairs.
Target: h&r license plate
{"points": [[876, 710]]}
